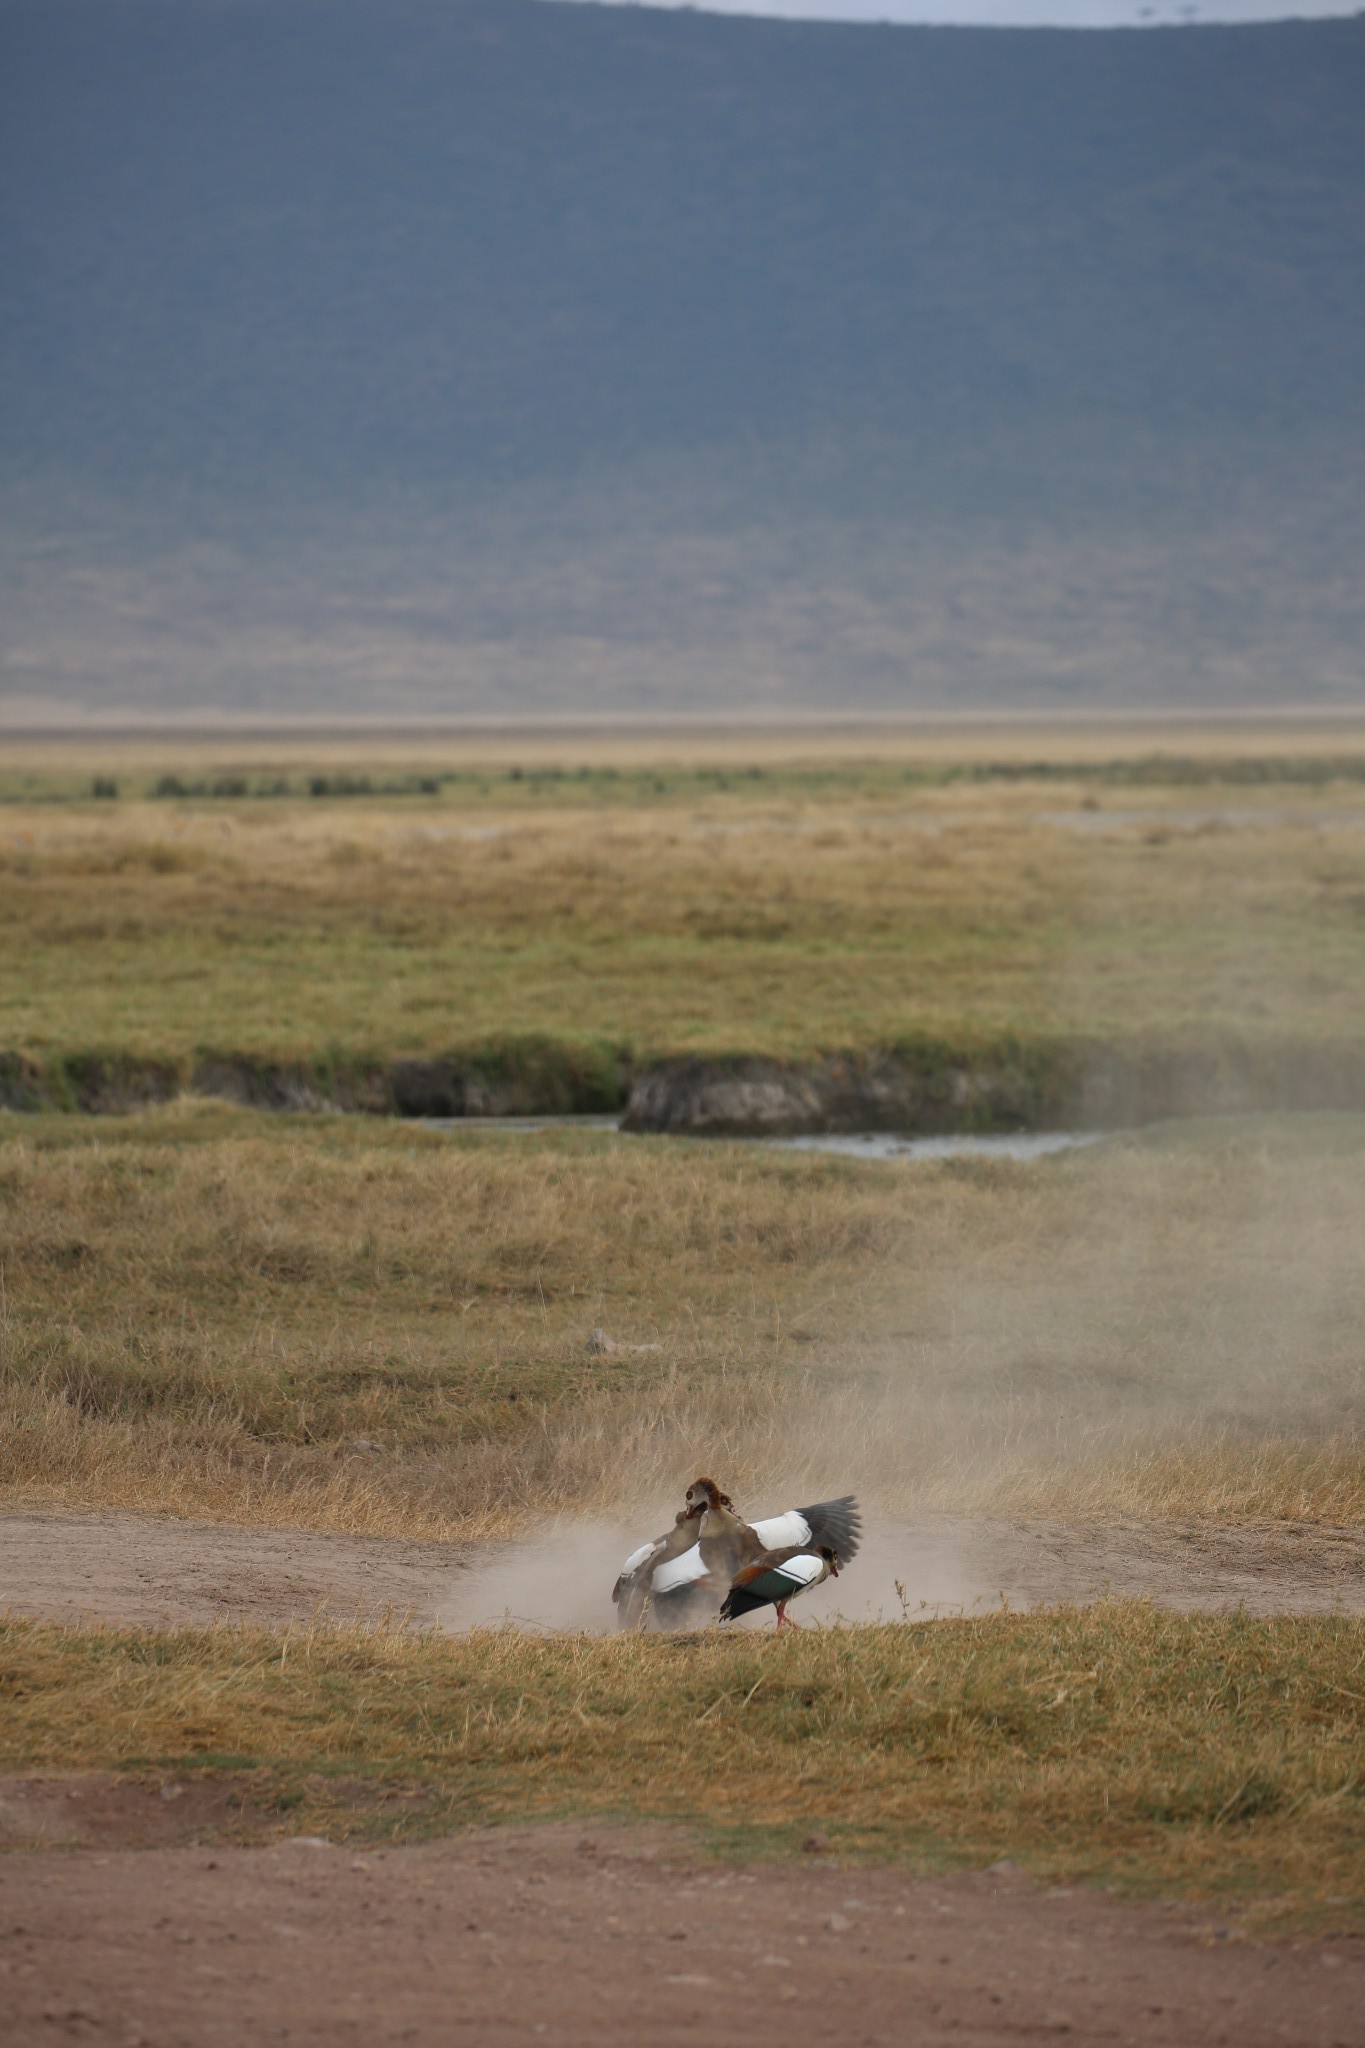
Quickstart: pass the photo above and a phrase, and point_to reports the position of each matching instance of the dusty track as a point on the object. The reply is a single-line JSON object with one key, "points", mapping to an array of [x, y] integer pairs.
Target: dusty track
{"points": [[559, 1935], [149, 1571]]}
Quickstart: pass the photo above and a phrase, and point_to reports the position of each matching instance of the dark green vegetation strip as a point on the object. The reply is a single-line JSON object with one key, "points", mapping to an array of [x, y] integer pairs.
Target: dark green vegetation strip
{"points": [[980, 1082], [1217, 1755], [526, 1075], [607, 784]]}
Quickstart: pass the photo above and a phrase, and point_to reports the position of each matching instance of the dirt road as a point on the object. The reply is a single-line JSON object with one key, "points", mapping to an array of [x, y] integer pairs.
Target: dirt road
{"points": [[150, 1571], [559, 1935]]}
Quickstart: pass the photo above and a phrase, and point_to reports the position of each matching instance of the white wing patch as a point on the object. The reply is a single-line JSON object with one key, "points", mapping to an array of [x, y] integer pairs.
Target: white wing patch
{"points": [[780, 1532], [636, 1559], [804, 1570], [680, 1571]]}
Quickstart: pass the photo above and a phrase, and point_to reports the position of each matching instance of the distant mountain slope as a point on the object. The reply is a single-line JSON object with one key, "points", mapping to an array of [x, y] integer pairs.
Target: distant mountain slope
{"points": [[512, 286]]}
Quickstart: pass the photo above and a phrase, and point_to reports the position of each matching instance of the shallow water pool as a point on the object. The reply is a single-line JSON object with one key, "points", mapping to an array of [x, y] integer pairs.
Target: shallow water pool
{"points": [[893, 1145], [851, 1144]]}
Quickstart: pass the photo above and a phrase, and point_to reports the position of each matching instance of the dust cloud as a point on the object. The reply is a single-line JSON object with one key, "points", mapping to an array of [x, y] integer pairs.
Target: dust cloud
{"points": [[1164, 1330], [1168, 1326], [563, 1579]]}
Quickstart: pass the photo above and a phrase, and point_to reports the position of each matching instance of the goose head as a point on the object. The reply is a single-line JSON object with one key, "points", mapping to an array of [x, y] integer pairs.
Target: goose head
{"points": [[703, 1494]]}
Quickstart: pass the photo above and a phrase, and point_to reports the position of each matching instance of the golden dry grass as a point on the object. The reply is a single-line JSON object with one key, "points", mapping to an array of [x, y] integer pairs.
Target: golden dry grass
{"points": [[1217, 1756], [678, 903], [339, 1324]]}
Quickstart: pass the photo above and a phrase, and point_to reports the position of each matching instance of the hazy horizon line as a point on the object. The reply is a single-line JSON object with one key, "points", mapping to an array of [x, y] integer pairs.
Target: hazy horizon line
{"points": [[1082, 16]]}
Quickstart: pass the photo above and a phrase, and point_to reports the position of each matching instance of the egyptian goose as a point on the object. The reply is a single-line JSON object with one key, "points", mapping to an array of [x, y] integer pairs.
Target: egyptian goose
{"points": [[777, 1578], [632, 1589], [724, 1538], [690, 1588]]}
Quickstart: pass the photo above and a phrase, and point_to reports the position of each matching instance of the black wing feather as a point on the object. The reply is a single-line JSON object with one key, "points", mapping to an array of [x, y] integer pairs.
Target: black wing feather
{"points": [[742, 1600], [838, 1523]]}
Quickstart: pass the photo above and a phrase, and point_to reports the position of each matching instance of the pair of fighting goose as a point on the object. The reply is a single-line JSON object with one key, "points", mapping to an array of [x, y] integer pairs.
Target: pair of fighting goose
{"points": [[713, 1563]]}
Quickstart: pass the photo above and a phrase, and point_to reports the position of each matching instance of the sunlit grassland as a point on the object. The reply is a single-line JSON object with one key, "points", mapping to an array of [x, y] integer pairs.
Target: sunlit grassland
{"points": [[342, 1323], [1219, 1756], [686, 902]]}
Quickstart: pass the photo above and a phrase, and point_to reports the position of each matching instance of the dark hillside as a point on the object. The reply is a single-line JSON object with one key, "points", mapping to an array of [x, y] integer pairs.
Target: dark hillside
{"points": [[541, 297]]}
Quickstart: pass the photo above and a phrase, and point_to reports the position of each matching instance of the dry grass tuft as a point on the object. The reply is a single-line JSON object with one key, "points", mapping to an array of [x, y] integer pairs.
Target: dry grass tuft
{"points": [[1218, 1756]]}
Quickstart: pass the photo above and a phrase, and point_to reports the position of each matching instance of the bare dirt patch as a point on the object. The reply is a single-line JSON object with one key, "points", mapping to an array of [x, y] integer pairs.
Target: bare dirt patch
{"points": [[1194, 1567], [150, 1572], [561, 1934], [101, 1809]]}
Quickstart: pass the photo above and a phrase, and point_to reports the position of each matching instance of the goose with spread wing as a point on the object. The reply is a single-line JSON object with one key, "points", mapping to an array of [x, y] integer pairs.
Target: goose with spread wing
{"points": [[688, 1587]]}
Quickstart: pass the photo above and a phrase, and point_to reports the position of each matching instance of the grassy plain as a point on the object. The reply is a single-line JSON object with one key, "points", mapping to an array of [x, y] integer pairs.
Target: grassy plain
{"points": [[352, 1323], [1219, 1756], [348, 1323], [209, 1311], [736, 895]]}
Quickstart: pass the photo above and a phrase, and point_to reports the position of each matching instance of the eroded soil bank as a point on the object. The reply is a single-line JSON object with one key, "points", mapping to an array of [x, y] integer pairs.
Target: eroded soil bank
{"points": [[601, 1935], [148, 1572], [921, 1085]]}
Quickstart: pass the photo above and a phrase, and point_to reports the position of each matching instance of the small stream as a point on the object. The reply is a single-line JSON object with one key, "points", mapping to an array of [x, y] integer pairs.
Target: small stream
{"points": [[892, 1145], [850, 1144]]}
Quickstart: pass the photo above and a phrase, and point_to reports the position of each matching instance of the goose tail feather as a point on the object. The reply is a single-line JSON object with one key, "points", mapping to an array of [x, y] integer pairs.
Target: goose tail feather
{"points": [[741, 1600]]}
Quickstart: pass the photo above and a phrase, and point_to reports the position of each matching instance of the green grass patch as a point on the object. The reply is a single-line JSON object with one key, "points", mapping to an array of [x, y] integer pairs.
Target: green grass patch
{"points": [[667, 782], [783, 908]]}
